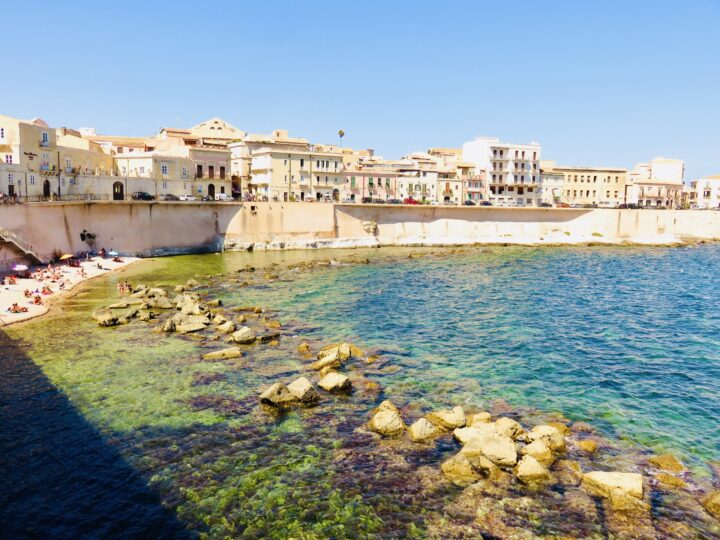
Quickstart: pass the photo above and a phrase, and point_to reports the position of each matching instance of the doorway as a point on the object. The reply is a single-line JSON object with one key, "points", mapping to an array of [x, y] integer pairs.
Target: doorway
{"points": [[211, 191], [118, 191], [46, 189]]}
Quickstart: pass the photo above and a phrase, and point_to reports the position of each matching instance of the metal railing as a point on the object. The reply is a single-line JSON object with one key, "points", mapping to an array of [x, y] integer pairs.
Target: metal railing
{"points": [[11, 238]]}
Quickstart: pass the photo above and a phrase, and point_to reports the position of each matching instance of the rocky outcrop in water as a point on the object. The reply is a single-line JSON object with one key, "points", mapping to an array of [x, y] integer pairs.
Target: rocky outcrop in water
{"points": [[386, 420]]}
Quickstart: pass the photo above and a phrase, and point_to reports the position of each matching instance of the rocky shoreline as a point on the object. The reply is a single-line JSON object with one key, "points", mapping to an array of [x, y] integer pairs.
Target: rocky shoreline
{"points": [[490, 461]]}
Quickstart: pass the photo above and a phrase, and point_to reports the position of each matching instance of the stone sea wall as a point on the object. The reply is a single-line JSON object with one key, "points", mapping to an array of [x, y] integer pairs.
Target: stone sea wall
{"points": [[151, 229]]}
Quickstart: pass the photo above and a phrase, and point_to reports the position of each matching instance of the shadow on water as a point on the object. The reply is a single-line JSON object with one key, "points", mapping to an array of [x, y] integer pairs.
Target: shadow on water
{"points": [[58, 477]]}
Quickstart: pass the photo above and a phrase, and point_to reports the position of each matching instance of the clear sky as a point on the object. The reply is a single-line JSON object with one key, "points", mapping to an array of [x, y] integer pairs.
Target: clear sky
{"points": [[597, 83]]}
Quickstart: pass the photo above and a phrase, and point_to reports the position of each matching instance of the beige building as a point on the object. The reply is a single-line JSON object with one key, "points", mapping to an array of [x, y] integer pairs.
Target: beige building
{"points": [[658, 183], [596, 186]]}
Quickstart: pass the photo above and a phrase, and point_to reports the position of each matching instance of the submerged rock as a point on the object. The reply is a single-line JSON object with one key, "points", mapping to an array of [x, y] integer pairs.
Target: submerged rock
{"points": [[529, 470], [278, 395], [588, 446], [568, 472], [386, 420], [667, 462], [304, 348], [459, 469], [105, 317], [711, 503], [244, 336], [423, 430], [188, 327], [448, 419], [331, 361], [303, 390], [613, 484], [192, 283], [670, 481], [232, 352], [478, 418], [335, 382]]}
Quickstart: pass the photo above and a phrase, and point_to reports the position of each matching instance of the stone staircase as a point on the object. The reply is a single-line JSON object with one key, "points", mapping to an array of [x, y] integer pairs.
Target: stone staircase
{"points": [[9, 237]]}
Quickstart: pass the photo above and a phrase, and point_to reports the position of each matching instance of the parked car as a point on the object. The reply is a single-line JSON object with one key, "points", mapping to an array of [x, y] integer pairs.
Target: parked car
{"points": [[142, 196], [348, 200], [545, 205], [223, 197], [169, 197], [468, 202], [366, 200], [485, 203], [187, 197], [410, 200], [206, 198], [563, 205], [378, 201], [393, 201]]}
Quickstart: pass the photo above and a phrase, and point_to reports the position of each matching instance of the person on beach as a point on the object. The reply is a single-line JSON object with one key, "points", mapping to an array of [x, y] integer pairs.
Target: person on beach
{"points": [[12, 280], [37, 300], [15, 308], [46, 290], [103, 253], [117, 259], [27, 293]]}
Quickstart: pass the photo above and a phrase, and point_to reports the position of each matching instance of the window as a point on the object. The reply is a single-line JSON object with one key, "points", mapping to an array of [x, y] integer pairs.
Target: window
{"points": [[164, 170], [32, 179], [10, 178], [199, 171], [184, 172], [142, 169], [352, 181], [302, 162], [45, 138], [2, 133], [317, 178], [8, 158], [222, 172], [164, 183]]}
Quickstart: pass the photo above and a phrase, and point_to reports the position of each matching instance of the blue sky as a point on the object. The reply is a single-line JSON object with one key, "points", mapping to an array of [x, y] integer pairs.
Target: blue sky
{"points": [[597, 83]]}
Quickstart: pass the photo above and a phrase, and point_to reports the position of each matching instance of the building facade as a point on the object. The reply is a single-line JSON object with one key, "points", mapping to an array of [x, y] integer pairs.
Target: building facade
{"points": [[512, 171], [658, 183], [588, 186], [704, 193]]}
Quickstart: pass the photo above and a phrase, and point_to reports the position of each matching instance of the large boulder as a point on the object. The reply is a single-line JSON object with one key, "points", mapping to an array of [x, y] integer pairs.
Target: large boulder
{"points": [[448, 418], [539, 451], [157, 292], [244, 336], [509, 427], [497, 448], [278, 395], [232, 352], [530, 470], [423, 430], [467, 434], [386, 420], [335, 382], [303, 390], [613, 484], [168, 326], [552, 438]]}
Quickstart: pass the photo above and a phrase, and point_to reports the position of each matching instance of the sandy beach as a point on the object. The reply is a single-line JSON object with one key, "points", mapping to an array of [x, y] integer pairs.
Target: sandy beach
{"points": [[71, 276]]}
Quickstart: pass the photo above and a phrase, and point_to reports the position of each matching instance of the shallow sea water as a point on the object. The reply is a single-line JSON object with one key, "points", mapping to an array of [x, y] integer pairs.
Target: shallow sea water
{"points": [[164, 443]]}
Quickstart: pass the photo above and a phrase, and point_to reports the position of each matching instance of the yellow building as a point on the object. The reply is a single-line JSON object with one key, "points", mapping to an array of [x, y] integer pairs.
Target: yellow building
{"points": [[597, 186]]}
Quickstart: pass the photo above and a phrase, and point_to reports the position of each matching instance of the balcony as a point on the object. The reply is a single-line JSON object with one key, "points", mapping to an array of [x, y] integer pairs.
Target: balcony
{"points": [[44, 144]]}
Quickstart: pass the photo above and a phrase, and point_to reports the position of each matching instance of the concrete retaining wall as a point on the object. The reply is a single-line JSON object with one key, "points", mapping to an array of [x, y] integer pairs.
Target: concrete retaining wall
{"points": [[145, 229]]}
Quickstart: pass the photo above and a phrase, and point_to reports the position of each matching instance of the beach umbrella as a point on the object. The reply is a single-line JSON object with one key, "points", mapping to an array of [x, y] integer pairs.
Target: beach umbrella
{"points": [[19, 267], [66, 257], [113, 253]]}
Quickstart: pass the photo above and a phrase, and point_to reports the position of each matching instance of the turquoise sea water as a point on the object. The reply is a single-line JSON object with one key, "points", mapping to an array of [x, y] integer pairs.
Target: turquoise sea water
{"points": [[626, 339]]}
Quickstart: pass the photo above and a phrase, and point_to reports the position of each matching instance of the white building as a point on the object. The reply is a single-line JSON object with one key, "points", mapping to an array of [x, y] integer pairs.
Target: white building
{"points": [[512, 171], [705, 192], [658, 183]]}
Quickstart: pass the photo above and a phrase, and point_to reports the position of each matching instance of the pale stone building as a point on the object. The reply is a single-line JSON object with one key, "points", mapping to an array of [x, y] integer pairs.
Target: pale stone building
{"points": [[369, 184], [658, 183], [588, 186], [704, 193], [512, 171]]}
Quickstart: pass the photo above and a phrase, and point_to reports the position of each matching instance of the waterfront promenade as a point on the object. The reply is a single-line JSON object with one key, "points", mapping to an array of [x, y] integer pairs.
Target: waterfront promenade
{"points": [[152, 229]]}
